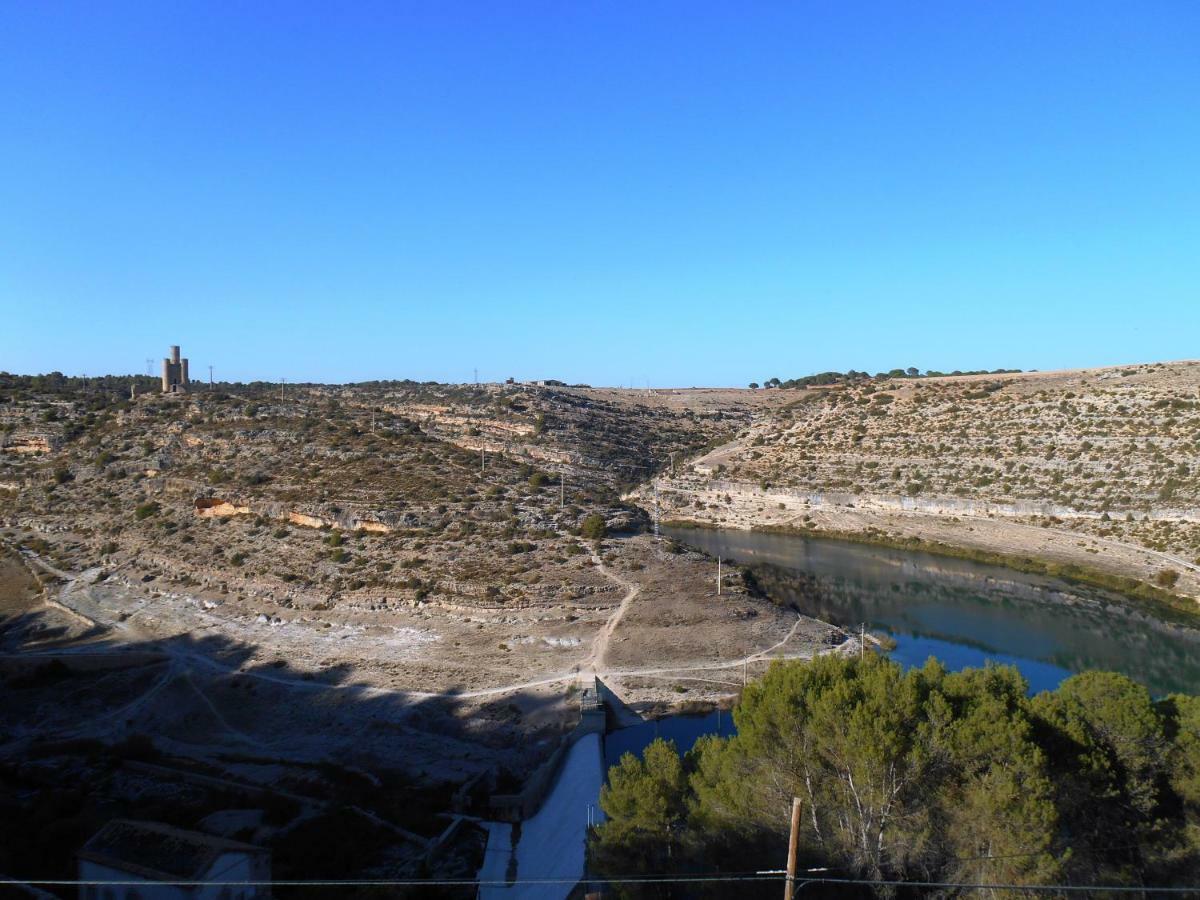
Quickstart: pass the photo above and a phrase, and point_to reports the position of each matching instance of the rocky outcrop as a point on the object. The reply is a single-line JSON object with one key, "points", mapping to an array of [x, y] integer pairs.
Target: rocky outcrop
{"points": [[217, 508], [28, 443], [306, 521], [372, 527]]}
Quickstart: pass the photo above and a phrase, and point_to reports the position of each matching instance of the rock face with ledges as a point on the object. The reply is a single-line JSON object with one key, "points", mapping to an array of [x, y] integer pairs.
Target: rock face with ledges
{"points": [[1111, 456]]}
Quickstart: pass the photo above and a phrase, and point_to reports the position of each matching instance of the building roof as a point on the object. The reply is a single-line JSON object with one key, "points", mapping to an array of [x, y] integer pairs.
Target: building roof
{"points": [[157, 851]]}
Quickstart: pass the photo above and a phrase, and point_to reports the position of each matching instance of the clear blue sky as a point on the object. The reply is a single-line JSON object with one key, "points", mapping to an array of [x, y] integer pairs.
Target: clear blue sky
{"points": [[679, 192]]}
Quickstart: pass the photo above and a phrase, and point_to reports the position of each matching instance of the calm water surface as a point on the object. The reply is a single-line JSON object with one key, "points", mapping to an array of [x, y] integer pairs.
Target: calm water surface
{"points": [[965, 613], [683, 730]]}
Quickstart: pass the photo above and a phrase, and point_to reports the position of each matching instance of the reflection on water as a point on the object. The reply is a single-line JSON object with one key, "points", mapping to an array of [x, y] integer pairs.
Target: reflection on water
{"points": [[965, 613]]}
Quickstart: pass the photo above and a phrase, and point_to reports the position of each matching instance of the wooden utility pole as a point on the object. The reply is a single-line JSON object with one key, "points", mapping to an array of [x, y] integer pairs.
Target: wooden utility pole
{"points": [[718, 576], [656, 534], [793, 850]]}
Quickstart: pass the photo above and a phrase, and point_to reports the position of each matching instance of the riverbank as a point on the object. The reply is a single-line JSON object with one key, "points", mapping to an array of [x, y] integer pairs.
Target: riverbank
{"points": [[964, 612], [1039, 548], [1163, 603]]}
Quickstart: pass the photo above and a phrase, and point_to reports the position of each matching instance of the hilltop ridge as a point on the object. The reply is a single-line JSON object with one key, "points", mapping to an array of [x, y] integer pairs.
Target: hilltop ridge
{"points": [[1098, 468]]}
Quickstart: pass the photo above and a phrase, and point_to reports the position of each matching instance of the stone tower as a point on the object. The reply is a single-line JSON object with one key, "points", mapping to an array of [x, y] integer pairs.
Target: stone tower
{"points": [[175, 373]]}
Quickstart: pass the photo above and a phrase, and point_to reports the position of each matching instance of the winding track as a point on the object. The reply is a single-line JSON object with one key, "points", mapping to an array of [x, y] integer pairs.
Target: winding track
{"points": [[595, 659], [590, 667]]}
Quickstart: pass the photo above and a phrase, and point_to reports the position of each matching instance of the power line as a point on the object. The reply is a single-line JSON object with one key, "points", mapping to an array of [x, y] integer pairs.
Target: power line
{"points": [[390, 882], [638, 879], [1064, 888]]}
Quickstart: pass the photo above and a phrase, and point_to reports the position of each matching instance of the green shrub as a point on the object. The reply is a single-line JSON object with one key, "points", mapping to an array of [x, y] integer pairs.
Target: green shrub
{"points": [[594, 527], [1166, 578]]}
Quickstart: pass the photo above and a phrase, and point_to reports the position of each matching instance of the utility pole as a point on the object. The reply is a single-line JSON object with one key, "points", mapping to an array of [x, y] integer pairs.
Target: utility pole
{"points": [[793, 850], [210, 378], [718, 576], [282, 383], [656, 534], [476, 378], [562, 490], [482, 461]]}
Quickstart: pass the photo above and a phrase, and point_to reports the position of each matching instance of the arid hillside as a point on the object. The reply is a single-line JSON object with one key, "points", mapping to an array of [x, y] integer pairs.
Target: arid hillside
{"points": [[365, 495], [1099, 468], [363, 609], [428, 539]]}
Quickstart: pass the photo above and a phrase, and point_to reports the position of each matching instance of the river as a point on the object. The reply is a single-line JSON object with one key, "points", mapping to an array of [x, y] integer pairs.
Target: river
{"points": [[961, 612], [965, 613]]}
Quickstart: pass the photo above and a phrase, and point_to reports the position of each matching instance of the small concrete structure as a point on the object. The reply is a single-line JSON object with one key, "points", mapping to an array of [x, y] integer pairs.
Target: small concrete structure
{"points": [[174, 373], [146, 856], [592, 720], [591, 709]]}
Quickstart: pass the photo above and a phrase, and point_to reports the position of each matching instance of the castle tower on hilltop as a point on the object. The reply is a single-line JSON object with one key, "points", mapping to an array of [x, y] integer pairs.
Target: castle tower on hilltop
{"points": [[175, 373]]}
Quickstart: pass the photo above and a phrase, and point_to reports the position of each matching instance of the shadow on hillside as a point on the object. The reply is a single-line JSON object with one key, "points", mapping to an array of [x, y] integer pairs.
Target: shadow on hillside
{"points": [[349, 778]]}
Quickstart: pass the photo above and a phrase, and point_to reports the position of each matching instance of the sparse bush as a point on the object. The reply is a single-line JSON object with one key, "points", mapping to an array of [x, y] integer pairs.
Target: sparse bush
{"points": [[1166, 579], [594, 527]]}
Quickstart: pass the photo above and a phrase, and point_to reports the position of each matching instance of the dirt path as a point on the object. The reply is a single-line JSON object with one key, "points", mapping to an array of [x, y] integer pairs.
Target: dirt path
{"points": [[595, 660], [589, 667], [759, 656]]}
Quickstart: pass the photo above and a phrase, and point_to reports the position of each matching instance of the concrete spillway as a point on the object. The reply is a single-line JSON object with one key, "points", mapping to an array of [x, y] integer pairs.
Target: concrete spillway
{"points": [[552, 843]]}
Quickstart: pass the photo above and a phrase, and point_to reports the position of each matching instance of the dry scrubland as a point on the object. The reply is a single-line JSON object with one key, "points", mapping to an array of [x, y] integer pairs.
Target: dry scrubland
{"points": [[400, 578], [433, 535], [338, 607], [354, 600], [1097, 469]]}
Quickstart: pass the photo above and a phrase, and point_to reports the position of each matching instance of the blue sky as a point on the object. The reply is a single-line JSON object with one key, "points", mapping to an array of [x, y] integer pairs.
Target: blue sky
{"points": [[674, 192]]}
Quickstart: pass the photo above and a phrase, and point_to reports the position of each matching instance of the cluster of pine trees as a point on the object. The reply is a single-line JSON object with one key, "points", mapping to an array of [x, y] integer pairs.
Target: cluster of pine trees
{"points": [[921, 775]]}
